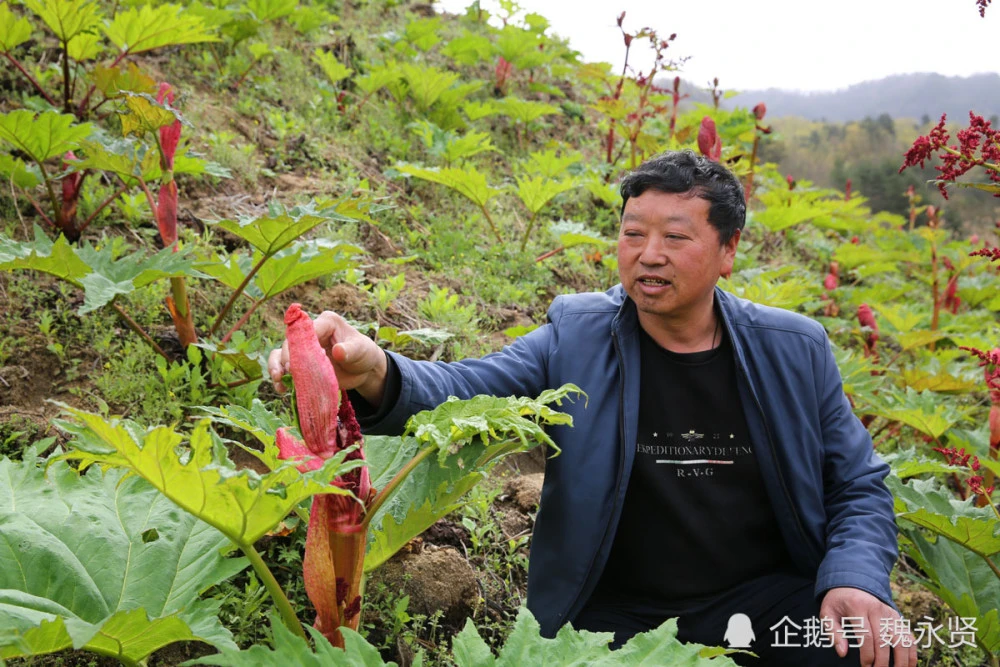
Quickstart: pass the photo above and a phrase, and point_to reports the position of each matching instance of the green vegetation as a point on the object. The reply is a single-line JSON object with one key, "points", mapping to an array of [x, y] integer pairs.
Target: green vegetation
{"points": [[174, 179]]}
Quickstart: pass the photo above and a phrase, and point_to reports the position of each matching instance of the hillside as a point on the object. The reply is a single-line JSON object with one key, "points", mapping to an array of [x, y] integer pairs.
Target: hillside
{"points": [[195, 182]]}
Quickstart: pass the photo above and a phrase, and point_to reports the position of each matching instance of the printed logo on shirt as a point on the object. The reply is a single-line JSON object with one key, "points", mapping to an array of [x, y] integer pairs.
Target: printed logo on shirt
{"points": [[689, 454]]}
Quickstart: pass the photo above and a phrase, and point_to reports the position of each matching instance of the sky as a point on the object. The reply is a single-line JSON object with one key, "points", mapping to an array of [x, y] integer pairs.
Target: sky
{"points": [[789, 44]]}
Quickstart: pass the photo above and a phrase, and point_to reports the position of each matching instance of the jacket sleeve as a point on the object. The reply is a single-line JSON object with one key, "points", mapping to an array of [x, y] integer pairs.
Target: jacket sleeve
{"points": [[861, 534], [519, 369]]}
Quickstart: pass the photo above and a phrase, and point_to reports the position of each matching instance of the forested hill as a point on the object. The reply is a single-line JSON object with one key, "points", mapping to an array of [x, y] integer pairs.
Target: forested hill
{"points": [[900, 96]]}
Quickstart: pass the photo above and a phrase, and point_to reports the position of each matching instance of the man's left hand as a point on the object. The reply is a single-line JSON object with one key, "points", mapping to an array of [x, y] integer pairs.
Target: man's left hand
{"points": [[852, 603]]}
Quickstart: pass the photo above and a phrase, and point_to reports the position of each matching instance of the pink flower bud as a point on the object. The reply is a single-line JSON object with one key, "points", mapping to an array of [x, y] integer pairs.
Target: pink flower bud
{"points": [[709, 141], [760, 110]]}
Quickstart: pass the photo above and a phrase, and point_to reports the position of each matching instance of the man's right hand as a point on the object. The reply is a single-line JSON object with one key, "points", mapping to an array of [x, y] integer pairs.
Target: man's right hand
{"points": [[359, 363]]}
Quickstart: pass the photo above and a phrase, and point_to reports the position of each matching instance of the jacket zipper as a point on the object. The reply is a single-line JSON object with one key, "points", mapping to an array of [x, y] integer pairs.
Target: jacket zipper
{"points": [[774, 453], [618, 480]]}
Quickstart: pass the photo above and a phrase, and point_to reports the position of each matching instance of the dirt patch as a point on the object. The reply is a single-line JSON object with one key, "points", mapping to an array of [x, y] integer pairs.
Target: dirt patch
{"points": [[436, 579]]}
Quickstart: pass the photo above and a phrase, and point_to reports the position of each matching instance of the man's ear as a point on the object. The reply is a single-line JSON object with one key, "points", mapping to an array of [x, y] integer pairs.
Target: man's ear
{"points": [[729, 254]]}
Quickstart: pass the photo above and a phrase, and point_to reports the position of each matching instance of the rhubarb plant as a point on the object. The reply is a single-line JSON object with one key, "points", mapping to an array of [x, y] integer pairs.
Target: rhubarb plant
{"points": [[102, 562], [339, 527], [524, 646]]}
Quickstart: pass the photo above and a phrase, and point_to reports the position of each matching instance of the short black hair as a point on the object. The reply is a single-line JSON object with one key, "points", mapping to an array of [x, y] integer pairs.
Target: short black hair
{"points": [[685, 171]]}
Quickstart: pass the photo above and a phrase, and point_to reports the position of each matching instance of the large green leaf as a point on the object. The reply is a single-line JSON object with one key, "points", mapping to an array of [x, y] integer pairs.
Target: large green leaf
{"points": [[468, 182], [468, 437], [962, 579], [923, 411], [112, 275], [907, 463], [15, 170], [67, 18], [199, 477], [524, 111], [427, 84], [927, 504], [58, 259], [537, 191], [301, 263], [260, 422], [290, 649], [14, 30], [102, 562], [149, 26], [281, 227], [526, 646], [141, 114], [46, 135]]}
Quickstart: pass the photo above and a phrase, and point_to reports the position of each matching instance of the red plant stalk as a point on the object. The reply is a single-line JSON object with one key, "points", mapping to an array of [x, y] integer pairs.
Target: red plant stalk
{"points": [[502, 73], [709, 141], [866, 318], [166, 221], [71, 183], [990, 361], [677, 97], [335, 540], [830, 283], [758, 111]]}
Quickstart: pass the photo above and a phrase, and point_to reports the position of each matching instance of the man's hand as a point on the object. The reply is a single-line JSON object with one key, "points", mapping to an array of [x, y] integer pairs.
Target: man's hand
{"points": [[358, 362], [841, 603]]}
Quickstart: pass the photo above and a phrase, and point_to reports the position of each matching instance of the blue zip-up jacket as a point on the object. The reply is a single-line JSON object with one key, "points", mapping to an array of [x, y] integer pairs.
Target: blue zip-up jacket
{"points": [[820, 471]]}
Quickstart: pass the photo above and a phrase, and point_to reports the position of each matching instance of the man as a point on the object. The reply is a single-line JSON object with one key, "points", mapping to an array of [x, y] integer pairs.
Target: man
{"points": [[715, 473]]}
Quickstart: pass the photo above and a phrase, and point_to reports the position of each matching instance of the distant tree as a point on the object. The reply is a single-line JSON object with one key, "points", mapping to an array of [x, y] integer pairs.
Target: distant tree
{"points": [[886, 123], [881, 182], [925, 120]]}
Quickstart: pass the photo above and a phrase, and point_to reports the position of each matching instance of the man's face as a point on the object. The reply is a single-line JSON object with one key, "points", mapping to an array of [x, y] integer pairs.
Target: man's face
{"points": [[669, 256]]}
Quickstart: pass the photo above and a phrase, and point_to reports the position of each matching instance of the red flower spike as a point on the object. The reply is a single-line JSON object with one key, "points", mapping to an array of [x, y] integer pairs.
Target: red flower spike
{"points": [[335, 539], [317, 394], [709, 141], [847, 191], [855, 240], [170, 135]]}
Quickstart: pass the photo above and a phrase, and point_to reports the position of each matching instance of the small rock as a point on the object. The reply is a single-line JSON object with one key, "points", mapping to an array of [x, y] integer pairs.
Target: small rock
{"points": [[525, 491]]}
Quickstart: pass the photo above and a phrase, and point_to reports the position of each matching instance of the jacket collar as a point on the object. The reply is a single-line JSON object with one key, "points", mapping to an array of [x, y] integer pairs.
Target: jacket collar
{"points": [[626, 320]]}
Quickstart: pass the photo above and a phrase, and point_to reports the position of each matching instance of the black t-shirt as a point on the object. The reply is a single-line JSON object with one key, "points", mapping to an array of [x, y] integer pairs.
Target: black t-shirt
{"points": [[697, 520]]}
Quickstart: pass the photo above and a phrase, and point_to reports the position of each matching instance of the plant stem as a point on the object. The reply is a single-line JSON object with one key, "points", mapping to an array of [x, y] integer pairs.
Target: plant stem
{"points": [[235, 295], [56, 203], [134, 326], [67, 106], [989, 561], [243, 320], [40, 212], [384, 494], [181, 310], [550, 253], [82, 108], [935, 294], [493, 226], [527, 233], [274, 589], [100, 208], [38, 87]]}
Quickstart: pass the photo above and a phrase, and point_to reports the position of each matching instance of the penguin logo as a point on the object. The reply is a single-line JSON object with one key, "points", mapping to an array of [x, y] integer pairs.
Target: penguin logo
{"points": [[739, 631]]}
